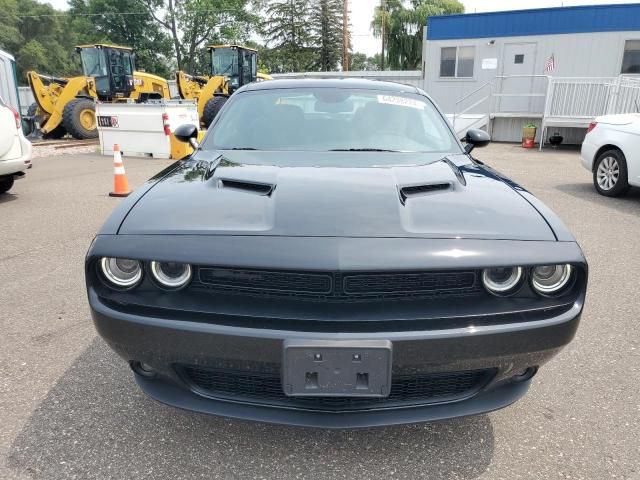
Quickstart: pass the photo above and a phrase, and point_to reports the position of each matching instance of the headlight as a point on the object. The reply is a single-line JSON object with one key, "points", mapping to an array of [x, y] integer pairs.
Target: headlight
{"points": [[171, 274], [121, 272], [550, 279], [502, 280]]}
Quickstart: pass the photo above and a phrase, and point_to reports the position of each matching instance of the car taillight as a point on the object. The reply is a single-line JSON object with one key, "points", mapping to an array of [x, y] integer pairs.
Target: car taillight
{"points": [[165, 124], [591, 126], [17, 118]]}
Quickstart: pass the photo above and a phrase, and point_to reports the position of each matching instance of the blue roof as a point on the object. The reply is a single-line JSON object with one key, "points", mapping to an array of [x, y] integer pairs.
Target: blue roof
{"points": [[541, 21]]}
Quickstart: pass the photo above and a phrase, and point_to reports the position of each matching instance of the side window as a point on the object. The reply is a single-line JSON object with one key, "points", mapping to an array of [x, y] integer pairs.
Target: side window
{"points": [[247, 66], [631, 58], [128, 63], [457, 62]]}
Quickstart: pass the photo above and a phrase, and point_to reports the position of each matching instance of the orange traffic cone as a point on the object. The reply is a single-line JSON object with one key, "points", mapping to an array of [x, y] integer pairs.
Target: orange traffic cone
{"points": [[120, 183]]}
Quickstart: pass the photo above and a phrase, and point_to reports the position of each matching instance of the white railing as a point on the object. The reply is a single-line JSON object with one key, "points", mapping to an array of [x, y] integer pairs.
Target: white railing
{"points": [[486, 90], [586, 98]]}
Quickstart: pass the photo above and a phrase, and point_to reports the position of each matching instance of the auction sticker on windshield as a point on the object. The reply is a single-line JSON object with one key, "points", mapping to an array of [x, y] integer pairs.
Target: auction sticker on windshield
{"points": [[402, 101]]}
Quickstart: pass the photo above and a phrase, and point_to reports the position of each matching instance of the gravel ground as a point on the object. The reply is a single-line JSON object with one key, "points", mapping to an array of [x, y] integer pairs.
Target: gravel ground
{"points": [[45, 150], [69, 407]]}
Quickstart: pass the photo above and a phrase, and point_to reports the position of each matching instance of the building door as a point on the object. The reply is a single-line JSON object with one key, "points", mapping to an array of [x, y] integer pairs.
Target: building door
{"points": [[518, 64]]}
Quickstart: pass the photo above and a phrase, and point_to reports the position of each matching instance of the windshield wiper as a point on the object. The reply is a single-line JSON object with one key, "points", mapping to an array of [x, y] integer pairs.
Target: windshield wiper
{"points": [[240, 148], [362, 150]]}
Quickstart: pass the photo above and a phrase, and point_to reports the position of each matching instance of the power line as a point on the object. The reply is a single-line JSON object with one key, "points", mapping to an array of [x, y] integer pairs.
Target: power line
{"points": [[74, 14]]}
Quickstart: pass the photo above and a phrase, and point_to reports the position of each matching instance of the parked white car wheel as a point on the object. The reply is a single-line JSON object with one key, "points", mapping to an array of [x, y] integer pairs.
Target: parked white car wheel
{"points": [[610, 174]]}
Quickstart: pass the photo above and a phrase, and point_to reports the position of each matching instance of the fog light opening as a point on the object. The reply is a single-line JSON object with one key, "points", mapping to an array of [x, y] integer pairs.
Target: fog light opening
{"points": [[143, 369], [524, 375]]}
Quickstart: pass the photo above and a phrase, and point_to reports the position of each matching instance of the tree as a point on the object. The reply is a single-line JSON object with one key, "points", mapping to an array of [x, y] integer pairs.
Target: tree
{"points": [[327, 33], [191, 24], [360, 61], [101, 21], [286, 30], [37, 35], [403, 28]]}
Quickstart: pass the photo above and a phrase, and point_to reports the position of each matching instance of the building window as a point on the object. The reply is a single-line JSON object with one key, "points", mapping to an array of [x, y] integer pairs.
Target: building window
{"points": [[457, 62], [631, 58], [519, 60]]}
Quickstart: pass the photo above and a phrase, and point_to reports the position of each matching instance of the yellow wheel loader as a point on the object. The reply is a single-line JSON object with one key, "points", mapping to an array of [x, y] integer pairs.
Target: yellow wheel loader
{"points": [[232, 66], [67, 105]]}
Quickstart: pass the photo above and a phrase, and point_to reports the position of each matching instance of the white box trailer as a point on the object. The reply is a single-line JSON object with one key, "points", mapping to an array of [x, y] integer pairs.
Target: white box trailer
{"points": [[143, 129]]}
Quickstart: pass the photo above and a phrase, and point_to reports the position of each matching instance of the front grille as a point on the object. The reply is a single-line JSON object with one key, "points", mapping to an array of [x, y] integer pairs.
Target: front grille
{"points": [[265, 280], [337, 286], [407, 282], [266, 389]]}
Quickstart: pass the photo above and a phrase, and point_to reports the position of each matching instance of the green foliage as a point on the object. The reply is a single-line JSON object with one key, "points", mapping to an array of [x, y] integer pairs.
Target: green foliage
{"points": [[359, 61], [98, 21], [287, 32], [37, 35], [403, 28], [191, 25], [325, 24]]}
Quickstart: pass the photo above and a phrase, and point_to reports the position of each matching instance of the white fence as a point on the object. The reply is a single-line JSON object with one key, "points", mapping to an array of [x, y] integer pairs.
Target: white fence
{"points": [[590, 97]]}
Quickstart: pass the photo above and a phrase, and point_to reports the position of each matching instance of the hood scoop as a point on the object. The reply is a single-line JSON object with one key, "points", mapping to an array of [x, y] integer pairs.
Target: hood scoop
{"points": [[257, 188], [410, 191]]}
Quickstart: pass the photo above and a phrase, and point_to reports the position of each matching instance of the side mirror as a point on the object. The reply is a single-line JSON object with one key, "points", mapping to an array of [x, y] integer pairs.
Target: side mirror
{"points": [[187, 133], [476, 138]]}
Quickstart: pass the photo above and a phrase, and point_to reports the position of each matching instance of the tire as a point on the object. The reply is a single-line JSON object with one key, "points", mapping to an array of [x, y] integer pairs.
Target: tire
{"points": [[610, 174], [211, 109], [5, 184], [79, 118]]}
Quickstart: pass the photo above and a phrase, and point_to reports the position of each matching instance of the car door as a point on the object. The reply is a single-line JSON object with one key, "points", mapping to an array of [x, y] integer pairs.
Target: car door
{"points": [[9, 139]]}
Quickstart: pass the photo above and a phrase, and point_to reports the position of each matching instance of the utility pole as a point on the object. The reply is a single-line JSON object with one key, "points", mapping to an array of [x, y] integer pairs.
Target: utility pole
{"points": [[382, 16], [345, 35]]}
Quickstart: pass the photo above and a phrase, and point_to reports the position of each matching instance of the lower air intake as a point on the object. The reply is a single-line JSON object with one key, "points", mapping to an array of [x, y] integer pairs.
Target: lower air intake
{"points": [[266, 389]]}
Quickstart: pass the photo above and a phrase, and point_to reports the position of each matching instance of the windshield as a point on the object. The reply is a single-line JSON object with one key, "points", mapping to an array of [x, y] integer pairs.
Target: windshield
{"points": [[224, 61], [93, 63], [329, 119]]}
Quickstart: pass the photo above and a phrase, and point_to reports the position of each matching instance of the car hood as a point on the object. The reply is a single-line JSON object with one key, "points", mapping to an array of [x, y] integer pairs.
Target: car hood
{"points": [[310, 194]]}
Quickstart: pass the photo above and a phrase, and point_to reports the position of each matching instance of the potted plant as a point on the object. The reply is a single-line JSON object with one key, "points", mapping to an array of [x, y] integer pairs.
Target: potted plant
{"points": [[529, 135]]}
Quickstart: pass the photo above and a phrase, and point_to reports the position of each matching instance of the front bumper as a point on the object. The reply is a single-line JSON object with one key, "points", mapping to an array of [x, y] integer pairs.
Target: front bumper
{"points": [[588, 153], [504, 350]]}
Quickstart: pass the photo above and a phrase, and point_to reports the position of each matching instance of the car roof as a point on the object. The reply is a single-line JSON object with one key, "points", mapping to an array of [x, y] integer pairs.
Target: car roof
{"points": [[355, 83]]}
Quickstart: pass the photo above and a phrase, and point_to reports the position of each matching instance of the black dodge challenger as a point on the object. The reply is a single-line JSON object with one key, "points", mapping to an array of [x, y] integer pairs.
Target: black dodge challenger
{"points": [[331, 255]]}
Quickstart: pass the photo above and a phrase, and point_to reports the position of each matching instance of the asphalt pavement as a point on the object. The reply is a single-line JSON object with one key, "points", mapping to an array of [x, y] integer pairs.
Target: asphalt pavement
{"points": [[69, 407]]}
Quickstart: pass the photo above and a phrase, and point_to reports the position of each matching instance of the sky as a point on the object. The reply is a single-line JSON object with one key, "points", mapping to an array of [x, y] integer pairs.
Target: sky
{"points": [[363, 40]]}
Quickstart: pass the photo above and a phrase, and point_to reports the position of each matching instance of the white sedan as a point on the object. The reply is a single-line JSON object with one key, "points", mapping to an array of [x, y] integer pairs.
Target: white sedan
{"points": [[611, 150], [15, 149]]}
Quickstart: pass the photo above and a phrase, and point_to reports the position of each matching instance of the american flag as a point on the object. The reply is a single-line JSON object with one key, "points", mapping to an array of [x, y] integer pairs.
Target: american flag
{"points": [[550, 64]]}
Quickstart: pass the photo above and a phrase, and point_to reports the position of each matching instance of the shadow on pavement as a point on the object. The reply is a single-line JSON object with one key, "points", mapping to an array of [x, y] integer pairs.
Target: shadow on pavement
{"points": [[586, 191], [95, 423], [7, 197]]}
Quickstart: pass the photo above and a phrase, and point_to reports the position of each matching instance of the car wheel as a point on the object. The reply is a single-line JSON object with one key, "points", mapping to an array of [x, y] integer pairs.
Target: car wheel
{"points": [[211, 109], [610, 174], [5, 184]]}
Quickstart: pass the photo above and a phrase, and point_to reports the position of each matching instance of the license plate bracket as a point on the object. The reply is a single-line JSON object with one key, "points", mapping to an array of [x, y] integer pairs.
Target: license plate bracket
{"points": [[321, 368]]}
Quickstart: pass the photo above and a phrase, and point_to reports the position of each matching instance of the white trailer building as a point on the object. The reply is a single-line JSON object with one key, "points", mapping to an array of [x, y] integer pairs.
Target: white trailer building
{"points": [[555, 67]]}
